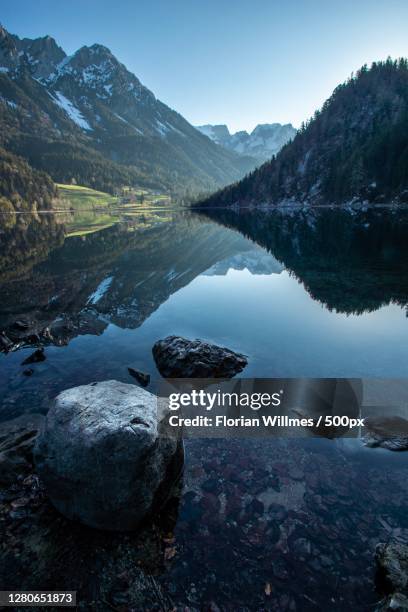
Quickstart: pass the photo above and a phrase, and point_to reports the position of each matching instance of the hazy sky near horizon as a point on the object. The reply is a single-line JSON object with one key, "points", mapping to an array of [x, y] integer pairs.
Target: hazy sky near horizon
{"points": [[239, 62]]}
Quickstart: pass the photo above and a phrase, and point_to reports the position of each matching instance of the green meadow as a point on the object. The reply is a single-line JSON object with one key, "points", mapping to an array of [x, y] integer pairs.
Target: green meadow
{"points": [[89, 210], [84, 198]]}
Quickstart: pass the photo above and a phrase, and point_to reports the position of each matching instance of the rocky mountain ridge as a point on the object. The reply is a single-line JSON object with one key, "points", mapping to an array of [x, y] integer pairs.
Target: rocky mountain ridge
{"points": [[265, 140], [86, 117]]}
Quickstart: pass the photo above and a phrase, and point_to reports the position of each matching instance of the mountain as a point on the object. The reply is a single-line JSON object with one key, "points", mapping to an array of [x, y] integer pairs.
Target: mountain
{"points": [[218, 133], [41, 55], [262, 143], [354, 149], [86, 117]]}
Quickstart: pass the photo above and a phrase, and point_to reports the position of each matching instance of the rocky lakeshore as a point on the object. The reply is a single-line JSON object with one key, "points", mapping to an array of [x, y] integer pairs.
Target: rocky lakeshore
{"points": [[266, 518]]}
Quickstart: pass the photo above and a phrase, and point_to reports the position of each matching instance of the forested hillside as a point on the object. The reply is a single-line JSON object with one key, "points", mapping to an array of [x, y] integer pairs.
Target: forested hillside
{"points": [[354, 148], [21, 187]]}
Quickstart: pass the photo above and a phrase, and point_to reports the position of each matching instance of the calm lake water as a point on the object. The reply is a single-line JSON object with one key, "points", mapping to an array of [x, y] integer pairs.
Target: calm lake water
{"points": [[262, 524]]}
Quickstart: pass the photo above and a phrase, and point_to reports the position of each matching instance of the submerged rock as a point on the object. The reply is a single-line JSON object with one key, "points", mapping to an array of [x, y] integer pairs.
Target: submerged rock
{"points": [[104, 456], [392, 563], [142, 378], [387, 432], [397, 602], [392, 576], [35, 357], [178, 357], [17, 439]]}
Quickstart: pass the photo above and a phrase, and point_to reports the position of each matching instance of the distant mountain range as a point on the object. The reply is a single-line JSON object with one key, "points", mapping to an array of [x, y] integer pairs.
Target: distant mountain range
{"points": [[355, 149], [86, 117], [262, 143], [255, 261]]}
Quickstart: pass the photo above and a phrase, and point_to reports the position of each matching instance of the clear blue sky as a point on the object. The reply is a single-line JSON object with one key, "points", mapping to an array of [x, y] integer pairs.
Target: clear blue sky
{"points": [[239, 62]]}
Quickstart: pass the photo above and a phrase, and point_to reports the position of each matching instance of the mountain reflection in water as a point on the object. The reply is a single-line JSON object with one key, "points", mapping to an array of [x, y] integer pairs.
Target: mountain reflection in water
{"points": [[350, 261], [321, 293]]}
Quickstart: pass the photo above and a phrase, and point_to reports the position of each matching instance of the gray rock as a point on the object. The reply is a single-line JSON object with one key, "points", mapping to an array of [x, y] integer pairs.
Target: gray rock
{"points": [[35, 357], [105, 457], [142, 378], [387, 432], [17, 439], [392, 562], [178, 357], [397, 602]]}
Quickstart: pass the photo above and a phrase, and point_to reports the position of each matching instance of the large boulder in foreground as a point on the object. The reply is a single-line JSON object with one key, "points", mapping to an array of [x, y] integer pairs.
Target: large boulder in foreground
{"points": [[103, 456], [178, 357]]}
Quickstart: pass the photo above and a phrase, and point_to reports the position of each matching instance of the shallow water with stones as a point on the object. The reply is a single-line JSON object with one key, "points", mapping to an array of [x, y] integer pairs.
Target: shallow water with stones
{"points": [[276, 524]]}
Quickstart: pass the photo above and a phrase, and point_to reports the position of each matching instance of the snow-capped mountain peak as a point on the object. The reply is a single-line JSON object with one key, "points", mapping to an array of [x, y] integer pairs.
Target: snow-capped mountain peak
{"points": [[264, 141], [98, 109], [39, 56]]}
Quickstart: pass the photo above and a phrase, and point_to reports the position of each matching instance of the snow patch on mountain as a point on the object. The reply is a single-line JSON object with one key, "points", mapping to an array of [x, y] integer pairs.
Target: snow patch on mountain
{"points": [[72, 111], [97, 74], [127, 123], [9, 103], [162, 128]]}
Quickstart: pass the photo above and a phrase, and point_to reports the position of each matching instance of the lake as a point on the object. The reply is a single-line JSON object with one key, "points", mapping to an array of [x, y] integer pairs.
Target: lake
{"points": [[261, 524]]}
